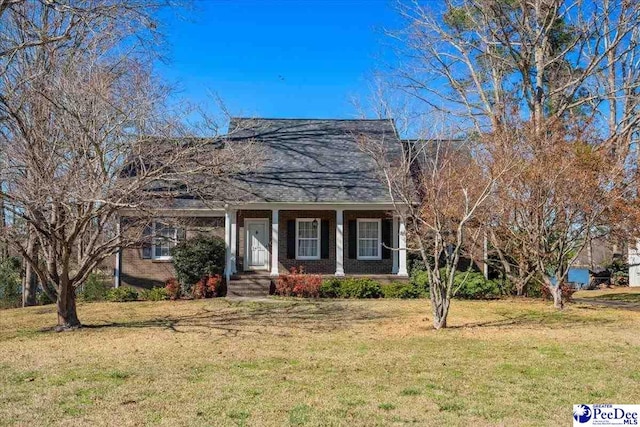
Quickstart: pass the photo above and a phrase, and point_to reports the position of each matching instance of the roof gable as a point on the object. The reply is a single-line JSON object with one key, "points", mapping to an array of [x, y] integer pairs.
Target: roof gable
{"points": [[314, 160]]}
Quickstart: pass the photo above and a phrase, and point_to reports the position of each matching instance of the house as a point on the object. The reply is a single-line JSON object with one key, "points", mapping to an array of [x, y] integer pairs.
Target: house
{"points": [[593, 263], [316, 201]]}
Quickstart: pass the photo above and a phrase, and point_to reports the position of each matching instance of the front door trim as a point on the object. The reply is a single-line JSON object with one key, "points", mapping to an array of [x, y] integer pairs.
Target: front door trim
{"points": [[247, 244]]}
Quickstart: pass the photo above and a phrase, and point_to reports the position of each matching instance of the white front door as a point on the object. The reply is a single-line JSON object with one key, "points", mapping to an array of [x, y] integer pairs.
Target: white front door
{"points": [[257, 254]]}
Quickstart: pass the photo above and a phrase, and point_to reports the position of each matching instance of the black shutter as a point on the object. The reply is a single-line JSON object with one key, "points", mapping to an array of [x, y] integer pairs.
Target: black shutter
{"points": [[387, 238], [291, 239], [352, 232], [181, 234], [324, 239]]}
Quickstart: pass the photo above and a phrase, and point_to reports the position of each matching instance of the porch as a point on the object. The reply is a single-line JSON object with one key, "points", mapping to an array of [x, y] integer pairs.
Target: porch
{"points": [[349, 240]]}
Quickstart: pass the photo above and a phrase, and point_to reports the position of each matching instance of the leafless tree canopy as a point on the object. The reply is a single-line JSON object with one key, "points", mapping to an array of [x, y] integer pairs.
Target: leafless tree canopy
{"points": [[481, 59], [545, 95], [87, 130]]}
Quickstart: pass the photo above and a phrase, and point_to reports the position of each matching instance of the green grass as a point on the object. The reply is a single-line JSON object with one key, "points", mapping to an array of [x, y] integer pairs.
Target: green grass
{"points": [[356, 363]]}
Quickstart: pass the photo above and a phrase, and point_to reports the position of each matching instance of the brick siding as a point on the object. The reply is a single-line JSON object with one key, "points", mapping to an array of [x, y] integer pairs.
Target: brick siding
{"points": [[356, 266], [319, 266], [147, 273]]}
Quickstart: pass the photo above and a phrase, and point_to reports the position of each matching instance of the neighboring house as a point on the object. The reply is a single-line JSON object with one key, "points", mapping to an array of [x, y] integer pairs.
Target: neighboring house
{"points": [[315, 202], [596, 256]]}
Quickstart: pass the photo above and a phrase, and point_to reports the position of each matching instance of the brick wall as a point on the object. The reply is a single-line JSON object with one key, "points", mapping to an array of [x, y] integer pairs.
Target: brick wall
{"points": [[147, 273], [356, 266], [320, 266]]}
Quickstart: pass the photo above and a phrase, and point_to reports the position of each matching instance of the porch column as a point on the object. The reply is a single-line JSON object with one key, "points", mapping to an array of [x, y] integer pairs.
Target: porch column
{"points": [[394, 243], [227, 245], [402, 246], [274, 242], [339, 242], [485, 256], [234, 241], [118, 267]]}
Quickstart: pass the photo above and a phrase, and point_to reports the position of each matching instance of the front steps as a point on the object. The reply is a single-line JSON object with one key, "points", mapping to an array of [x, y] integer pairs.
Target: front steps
{"points": [[249, 285]]}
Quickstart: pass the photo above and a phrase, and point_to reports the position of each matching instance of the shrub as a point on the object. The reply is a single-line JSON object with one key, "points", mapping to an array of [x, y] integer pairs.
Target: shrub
{"points": [[172, 286], [122, 294], [154, 294], [196, 258], [43, 299], [620, 278], [95, 288], [331, 288], [420, 280], [361, 288], [10, 283], [466, 285], [402, 291], [298, 283], [350, 288], [208, 287], [473, 285]]}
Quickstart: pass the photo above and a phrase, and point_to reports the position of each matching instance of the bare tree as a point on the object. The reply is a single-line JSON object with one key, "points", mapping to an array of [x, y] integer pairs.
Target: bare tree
{"points": [[88, 131], [440, 187], [29, 26], [548, 78], [557, 200]]}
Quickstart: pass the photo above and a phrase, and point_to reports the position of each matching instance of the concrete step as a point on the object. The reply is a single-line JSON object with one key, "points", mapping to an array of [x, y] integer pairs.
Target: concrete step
{"points": [[249, 286], [251, 281]]}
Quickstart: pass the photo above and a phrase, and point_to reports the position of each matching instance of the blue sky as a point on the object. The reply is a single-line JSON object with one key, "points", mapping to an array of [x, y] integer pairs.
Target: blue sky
{"points": [[279, 58]]}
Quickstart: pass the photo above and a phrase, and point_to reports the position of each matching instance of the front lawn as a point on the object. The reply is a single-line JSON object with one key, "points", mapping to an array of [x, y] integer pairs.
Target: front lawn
{"points": [[622, 294], [214, 362]]}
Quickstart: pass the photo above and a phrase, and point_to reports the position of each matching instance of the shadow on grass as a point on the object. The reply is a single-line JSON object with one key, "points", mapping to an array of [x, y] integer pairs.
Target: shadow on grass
{"points": [[275, 318], [622, 297], [557, 319]]}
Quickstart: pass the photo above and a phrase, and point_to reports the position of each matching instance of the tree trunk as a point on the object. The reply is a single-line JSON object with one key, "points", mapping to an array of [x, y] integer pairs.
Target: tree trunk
{"points": [[440, 305], [4, 250], [66, 304], [30, 284], [556, 292]]}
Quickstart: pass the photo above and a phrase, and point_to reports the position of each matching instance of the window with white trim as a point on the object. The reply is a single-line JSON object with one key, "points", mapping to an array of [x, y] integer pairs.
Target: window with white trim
{"points": [[308, 238], [369, 238], [165, 237]]}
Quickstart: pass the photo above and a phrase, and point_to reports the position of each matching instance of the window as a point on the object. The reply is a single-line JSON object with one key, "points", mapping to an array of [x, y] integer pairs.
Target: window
{"points": [[307, 238], [165, 237], [369, 244]]}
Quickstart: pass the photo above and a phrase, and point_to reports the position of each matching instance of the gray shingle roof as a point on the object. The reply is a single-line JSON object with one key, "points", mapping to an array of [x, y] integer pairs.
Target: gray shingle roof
{"points": [[314, 160]]}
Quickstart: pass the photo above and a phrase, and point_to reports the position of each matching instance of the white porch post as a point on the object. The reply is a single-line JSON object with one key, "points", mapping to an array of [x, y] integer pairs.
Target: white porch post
{"points": [[485, 256], [394, 243], [227, 244], [339, 242], [118, 266], [274, 242], [402, 246], [234, 241]]}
